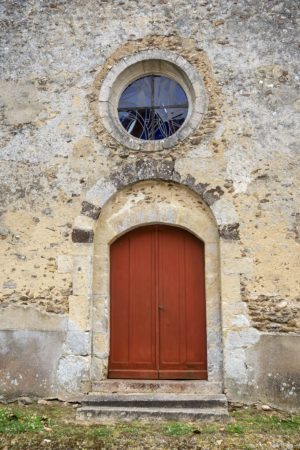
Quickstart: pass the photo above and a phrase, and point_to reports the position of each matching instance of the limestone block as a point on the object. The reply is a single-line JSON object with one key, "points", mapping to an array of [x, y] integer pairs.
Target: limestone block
{"points": [[102, 261], [240, 321], [64, 263], [241, 339], [79, 312], [234, 315], [235, 366], [82, 275], [104, 236], [100, 314], [84, 223], [78, 343], [237, 265], [101, 250], [231, 288], [100, 193], [101, 282], [82, 249], [98, 369], [71, 371], [224, 212], [100, 345], [229, 249]]}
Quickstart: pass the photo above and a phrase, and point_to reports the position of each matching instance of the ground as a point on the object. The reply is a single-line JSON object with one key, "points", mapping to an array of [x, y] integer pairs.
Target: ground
{"points": [[53, 426]]}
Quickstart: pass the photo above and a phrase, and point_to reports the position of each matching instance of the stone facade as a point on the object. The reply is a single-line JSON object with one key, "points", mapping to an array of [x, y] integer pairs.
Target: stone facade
{"points": [[68, 187]]}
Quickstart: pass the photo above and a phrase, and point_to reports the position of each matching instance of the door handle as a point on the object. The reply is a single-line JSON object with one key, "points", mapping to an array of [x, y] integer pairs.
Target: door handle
{"points": [[161, 307]]}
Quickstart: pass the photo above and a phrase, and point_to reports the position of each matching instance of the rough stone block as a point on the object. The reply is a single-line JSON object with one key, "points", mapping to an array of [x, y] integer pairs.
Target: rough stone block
{"points": [[84, 236]]}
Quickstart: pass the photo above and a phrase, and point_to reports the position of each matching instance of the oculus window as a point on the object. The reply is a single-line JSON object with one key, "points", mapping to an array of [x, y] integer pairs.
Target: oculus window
{"points": [[153, 107]]}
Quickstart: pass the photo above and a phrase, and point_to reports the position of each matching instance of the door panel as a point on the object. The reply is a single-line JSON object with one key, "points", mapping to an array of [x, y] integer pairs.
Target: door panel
{"points": [[158, 327], [182, 327], [133, 333]]}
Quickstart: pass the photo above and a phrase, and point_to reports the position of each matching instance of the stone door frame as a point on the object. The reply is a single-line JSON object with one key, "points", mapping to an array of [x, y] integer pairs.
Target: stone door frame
{"points": [[106, 214]]}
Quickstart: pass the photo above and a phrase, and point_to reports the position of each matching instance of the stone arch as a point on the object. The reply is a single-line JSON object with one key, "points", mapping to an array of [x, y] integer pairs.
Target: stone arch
{"points": [[141, 170], [142, 203]]}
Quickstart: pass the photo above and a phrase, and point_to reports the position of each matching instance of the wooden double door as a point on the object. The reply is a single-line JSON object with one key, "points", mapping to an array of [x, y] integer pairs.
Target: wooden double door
{"points": [[157, 313]]}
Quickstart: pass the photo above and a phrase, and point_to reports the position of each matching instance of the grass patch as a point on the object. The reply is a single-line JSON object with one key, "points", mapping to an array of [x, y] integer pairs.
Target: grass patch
{"points": [[102, 432], [275, 423], [178, 429], [14, 422], [235, 428], [209, 429]]}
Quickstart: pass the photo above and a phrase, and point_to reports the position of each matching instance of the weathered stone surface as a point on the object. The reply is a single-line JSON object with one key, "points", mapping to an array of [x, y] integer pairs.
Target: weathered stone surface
{"points": [[272, 373], [83, 236], [230, 232], [101, 407], [16, 317], [57, 159], [71, 372], [28, 362], [90, 210]]}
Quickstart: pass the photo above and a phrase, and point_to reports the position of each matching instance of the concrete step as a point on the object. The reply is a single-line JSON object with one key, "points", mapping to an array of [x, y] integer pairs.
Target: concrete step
{"points": [[111, 414], [97, 407], [163, 386], [156, 400]]}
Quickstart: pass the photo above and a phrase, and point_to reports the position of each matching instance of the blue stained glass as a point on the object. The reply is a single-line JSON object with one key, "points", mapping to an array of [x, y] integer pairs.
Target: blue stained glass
{"points": [[153, 107], [168, 92], [137, 94]]}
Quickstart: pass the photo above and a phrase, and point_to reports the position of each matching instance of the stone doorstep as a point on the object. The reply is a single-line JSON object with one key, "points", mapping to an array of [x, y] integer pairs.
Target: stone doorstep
{"points": [[202, 387], [114, 414], [108, 407], [156, 400]]}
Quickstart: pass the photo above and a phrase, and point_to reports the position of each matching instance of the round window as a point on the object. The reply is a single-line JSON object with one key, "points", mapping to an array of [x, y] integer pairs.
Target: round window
{"points": [[152, 100], [153, 107]]}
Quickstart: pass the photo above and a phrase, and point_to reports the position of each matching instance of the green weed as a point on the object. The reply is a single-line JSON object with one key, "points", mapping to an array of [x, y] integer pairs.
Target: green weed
{"points": [[268, 422], [209, 429], [15, 422], [99, 432], [178, 429], [234, 428]]}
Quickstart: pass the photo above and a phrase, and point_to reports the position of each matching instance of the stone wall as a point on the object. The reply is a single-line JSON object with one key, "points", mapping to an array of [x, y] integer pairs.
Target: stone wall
{"points": [[57, 161]]}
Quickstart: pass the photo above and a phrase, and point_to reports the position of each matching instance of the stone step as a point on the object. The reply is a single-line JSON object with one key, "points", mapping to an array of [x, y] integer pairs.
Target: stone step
{"points": [[156, 400], [163, 386], [111, 414], [104, 407]]}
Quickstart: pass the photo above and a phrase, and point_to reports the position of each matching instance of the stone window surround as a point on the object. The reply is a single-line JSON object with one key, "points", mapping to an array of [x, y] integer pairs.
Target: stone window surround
{"points": [[158, 62]]}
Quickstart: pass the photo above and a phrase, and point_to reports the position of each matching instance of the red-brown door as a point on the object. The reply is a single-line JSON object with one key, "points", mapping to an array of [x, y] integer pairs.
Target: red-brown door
{"points": [[157, 314]]}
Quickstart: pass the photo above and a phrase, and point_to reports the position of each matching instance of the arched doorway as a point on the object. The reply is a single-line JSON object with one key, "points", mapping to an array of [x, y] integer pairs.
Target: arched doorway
{"points": [[158, 310]]}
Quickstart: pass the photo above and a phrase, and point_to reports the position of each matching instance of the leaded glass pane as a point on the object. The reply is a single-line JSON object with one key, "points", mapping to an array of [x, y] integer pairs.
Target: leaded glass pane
{"points": [[153, 108], [168, 92], [137, 94]]}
